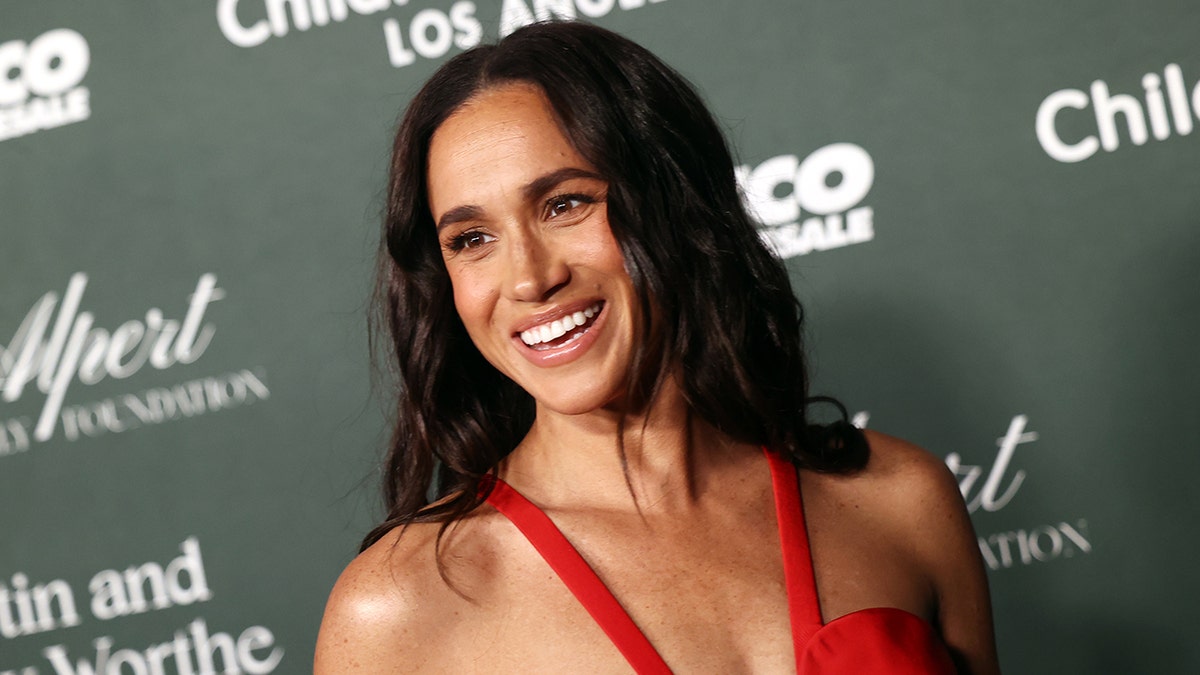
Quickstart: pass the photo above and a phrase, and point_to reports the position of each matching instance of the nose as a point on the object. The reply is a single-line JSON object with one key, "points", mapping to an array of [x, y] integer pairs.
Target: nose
{"points": [[535, 269]]}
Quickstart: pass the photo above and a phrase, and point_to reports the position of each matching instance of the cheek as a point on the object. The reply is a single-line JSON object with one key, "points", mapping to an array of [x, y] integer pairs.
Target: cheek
{"points": [[473, 299], [602, 252]]}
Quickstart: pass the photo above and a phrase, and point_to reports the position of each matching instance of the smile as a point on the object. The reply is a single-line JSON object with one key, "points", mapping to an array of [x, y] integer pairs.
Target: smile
{"points": [[561, 331]]}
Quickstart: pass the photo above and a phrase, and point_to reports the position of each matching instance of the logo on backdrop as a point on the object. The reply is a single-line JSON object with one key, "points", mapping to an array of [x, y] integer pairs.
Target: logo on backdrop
{"points": [[1164, 103], [29, 607], [57, 347], [40, 83], [992, 486], [430, 34], [813, 204]]}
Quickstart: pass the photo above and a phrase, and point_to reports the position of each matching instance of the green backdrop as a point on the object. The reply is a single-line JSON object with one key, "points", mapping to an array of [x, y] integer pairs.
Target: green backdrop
{"points": [[991, 213]]}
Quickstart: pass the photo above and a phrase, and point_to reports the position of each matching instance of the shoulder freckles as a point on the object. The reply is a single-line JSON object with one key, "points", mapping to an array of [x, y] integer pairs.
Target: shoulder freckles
{"points": [[898, 478], [376, 612], [904, 491], [908, 472], [908, 491], [921, 494]]}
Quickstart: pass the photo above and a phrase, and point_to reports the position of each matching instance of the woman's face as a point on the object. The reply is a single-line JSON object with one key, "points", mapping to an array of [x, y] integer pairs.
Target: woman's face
{"points": [[539, 280]]}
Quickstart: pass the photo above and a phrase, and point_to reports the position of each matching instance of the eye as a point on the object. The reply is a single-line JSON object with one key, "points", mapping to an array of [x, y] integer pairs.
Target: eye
{"points": [[470, 239], [561, 205]]}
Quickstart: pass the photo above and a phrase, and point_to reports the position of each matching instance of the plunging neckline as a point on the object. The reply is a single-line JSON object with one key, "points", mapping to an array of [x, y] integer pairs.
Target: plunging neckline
{"points": [[804, 611]]}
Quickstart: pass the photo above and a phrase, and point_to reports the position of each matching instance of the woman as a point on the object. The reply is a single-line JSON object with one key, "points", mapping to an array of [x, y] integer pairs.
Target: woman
{"points": [[602, 387]]}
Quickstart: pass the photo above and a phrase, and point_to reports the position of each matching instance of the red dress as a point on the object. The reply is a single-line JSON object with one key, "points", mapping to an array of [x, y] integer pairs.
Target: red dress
{"points": [[877, 640]]}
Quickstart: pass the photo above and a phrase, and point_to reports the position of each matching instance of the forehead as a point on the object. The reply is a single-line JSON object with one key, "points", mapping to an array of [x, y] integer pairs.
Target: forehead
{"points": [[501, 138]]}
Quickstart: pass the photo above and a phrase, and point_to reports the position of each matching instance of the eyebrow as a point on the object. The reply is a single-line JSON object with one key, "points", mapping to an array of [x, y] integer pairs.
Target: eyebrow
{"points": [[459, 214], [532, 190], [540, 186]]}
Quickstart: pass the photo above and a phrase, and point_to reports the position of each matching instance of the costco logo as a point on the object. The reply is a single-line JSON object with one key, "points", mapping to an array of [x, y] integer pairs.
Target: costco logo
{"points": [[812, 204], [40, 82]]}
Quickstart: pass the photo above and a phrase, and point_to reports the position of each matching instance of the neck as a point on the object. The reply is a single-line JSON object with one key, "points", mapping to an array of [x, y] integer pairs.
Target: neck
{"points": [[660, 459]]}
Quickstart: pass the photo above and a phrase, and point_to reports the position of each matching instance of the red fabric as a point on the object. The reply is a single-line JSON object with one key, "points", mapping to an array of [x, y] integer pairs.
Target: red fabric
{"points": [[877, 640], [579, 577], [881, 640]]}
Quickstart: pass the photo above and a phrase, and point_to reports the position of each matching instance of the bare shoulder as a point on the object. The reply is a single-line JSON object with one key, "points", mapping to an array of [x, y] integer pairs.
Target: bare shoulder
{"points": [[905, 498], [902, 488], [377, 611], [391, 608], [910, 481], [919, 498]]}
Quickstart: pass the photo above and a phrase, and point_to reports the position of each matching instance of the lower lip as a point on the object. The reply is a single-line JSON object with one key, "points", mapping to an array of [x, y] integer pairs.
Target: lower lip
{"points": [[568, 352]]}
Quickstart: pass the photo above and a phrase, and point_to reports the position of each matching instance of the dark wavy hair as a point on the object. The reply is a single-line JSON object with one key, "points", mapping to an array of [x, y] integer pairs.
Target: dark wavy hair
{"points": [[717, 306]]}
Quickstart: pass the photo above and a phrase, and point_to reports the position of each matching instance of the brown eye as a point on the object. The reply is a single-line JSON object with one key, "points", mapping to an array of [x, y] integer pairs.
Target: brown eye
{"points": [[471, 239], [563, 204]]}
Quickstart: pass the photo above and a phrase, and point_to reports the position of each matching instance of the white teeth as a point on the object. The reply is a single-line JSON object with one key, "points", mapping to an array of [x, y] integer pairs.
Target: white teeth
{"points": [[559, 327]]}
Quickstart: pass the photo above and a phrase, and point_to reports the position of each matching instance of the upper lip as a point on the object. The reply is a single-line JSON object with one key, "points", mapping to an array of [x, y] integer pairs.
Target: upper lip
{"points": [[556, 312]]}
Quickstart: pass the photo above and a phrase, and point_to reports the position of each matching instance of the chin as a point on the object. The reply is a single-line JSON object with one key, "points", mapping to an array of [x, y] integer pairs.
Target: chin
{"points": [[576, 402]]}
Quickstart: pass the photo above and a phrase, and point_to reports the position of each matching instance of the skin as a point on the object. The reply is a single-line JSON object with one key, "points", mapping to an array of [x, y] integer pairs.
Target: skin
{"points": [[692, 551]]}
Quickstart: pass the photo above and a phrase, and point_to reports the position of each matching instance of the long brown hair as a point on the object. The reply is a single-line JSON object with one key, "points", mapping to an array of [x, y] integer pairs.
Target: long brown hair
{"points": [[716, 304]]}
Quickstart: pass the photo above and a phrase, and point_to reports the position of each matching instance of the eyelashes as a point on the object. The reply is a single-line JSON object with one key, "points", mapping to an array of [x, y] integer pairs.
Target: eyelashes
{"points": [[567, 203], [557, 208], [469, 239]]}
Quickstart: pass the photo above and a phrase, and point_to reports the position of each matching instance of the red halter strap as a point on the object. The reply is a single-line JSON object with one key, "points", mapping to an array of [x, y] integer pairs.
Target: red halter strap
{"points": [[579, 578], [586, 586], [803, 609]]}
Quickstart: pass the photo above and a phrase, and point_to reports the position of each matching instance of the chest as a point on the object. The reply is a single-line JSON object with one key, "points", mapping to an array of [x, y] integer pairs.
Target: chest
{"points": [[709, 594], [709, 599]]}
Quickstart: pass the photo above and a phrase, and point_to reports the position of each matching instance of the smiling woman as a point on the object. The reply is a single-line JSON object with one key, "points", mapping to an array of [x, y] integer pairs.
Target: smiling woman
{"points": [[601, 433], [527, 246]]}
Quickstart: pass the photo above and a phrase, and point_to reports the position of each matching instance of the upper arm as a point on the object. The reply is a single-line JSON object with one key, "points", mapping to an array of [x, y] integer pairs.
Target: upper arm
{"points": [[956, 566], [938, 525]]}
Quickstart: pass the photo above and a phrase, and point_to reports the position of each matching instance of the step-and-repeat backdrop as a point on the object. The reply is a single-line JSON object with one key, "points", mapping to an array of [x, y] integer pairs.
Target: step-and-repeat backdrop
{"points": [[991, 212]]}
